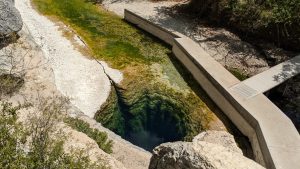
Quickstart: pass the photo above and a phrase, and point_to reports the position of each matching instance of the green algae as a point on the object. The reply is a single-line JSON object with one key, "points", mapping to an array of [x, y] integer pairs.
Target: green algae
{"points": [[109, 37], [158, 98], [146, 104]]}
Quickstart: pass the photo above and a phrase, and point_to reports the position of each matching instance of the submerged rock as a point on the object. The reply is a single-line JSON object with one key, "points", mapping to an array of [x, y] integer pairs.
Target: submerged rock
{"points": [[10, 18], [203, 153]]}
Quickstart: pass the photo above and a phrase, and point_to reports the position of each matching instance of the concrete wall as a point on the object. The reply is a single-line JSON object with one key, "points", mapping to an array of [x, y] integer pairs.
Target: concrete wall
{"points": [[274, 139], [198, 67], [156, 30]]}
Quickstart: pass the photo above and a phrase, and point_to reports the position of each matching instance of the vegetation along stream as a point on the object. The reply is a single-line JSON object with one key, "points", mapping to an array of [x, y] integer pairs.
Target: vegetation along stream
{"points": [[158, 101]]}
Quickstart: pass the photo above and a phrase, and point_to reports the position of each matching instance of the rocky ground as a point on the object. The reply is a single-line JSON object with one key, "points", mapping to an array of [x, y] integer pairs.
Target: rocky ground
{"points": [[39, 84], [77, 77], [42, 53], [54, 66]]}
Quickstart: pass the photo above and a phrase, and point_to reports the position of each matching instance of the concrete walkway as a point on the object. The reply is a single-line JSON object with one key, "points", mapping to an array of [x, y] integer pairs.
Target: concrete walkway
{"points": [[268, 79]]}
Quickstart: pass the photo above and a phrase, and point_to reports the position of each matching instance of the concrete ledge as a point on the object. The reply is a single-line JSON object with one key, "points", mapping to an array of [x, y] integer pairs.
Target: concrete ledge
{"points": [[198, 62], [156, 30], [274, 76], [274, 139], [277, 137]]}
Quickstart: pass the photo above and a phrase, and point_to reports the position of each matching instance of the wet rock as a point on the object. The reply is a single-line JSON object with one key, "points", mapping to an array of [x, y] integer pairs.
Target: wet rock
{"points": [[10, 18], [203, 153]]}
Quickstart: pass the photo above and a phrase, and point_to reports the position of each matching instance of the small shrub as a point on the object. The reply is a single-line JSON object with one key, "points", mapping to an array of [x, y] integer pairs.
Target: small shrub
{"points": [[35, 146], [238, 74], [98, 136], [275, 20], [11, 138], [10, 84]]}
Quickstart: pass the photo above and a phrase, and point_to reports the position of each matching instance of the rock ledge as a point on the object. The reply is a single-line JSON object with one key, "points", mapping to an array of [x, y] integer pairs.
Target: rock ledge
{"points": [[209, 150], [10, 18]]}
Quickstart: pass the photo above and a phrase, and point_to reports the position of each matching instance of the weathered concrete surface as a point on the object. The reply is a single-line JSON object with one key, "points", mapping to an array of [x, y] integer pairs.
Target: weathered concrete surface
{"points": [[270, 78], [274, 139], [277, 136]]}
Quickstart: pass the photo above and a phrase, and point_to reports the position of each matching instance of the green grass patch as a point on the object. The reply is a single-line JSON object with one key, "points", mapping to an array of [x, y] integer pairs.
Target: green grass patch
{"points": [[238, 74], [100, 137], [109, 37]]}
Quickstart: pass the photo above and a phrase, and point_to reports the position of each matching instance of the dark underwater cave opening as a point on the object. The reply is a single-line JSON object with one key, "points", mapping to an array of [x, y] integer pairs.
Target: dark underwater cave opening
{"points": [[155, 117], [152, 120]]}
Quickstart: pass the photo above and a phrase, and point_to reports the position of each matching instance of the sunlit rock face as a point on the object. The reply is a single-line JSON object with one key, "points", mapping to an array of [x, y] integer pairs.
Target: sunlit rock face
{"points": [[203, 152]]}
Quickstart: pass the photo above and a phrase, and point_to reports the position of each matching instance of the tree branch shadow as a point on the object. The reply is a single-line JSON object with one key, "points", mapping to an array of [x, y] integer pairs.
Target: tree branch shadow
{"points": [[290, 68]]}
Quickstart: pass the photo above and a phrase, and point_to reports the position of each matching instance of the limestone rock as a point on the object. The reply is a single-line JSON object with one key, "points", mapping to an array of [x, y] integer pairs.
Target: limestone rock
{"points": [[222, 138], [10, 18], [200, 154]]}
